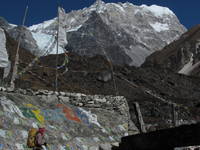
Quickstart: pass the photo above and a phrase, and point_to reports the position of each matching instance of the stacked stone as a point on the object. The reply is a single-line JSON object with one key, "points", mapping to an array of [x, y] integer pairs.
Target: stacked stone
{"points": [[116, 103]]}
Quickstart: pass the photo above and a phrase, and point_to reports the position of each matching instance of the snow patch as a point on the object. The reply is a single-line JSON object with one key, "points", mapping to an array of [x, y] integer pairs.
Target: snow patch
{"points": [[74, 29], [187, 67], [44, 41], [159, 26], [98, 6], [158, 11], [42, 25], [41, 39], [72, 20], [12, 25], [127, 4]]}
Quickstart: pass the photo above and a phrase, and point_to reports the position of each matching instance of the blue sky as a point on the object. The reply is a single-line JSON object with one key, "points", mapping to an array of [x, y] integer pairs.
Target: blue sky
{"points": [[40, 10]]}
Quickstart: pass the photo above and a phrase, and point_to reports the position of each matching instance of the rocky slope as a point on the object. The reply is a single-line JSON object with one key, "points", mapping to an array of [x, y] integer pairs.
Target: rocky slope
{"points": [[180, 56], [155, 90], [125, 32]]}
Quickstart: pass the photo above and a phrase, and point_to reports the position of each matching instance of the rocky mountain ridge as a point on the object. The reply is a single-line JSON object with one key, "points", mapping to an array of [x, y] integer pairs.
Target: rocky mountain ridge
{"points": [[181, 56], [125, 32]]}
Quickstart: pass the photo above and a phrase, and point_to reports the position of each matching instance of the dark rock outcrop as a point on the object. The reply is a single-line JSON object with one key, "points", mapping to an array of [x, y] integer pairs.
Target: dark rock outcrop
{"points": [[95, 38], [168, 139], [180, 56], [4, 24]]}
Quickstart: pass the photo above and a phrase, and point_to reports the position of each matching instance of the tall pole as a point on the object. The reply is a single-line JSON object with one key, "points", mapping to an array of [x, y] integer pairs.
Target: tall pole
{"points": [[140, 118], [16, 63], [57, 46], [174, 116], [112, 71]]}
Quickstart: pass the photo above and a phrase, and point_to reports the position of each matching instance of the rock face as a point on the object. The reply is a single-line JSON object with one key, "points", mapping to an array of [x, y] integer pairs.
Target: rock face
{"points": [[181, 56], [68, 126], [126, 33], [169, 139], [27, 40], [4, 24]]}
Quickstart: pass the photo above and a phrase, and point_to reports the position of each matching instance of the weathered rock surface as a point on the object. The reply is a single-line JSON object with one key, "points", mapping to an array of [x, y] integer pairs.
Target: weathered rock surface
{"points": [[181, 56], [4, 24], [26, 39]]}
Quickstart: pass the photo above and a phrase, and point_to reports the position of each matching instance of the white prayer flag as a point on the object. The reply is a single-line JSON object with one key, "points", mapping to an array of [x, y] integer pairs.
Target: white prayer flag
{"points": [[62, 36], [3, 52]]}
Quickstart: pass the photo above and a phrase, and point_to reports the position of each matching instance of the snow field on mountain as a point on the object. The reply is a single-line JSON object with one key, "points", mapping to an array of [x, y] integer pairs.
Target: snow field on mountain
{"points": [[158, 11], [144, 28], [44, 41], [158, 27]]}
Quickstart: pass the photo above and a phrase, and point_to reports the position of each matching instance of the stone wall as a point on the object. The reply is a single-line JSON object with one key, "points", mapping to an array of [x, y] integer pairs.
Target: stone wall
{"points": [[73, 120]]}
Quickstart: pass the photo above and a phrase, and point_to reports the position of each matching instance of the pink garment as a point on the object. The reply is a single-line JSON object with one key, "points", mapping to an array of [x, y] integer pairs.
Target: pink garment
{"points": [[42, 130]]}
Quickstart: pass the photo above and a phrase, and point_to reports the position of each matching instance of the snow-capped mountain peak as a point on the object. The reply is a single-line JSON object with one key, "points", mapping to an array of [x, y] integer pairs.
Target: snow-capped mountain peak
{"points": [[157, 11], [137, 31], [43, 25]]}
